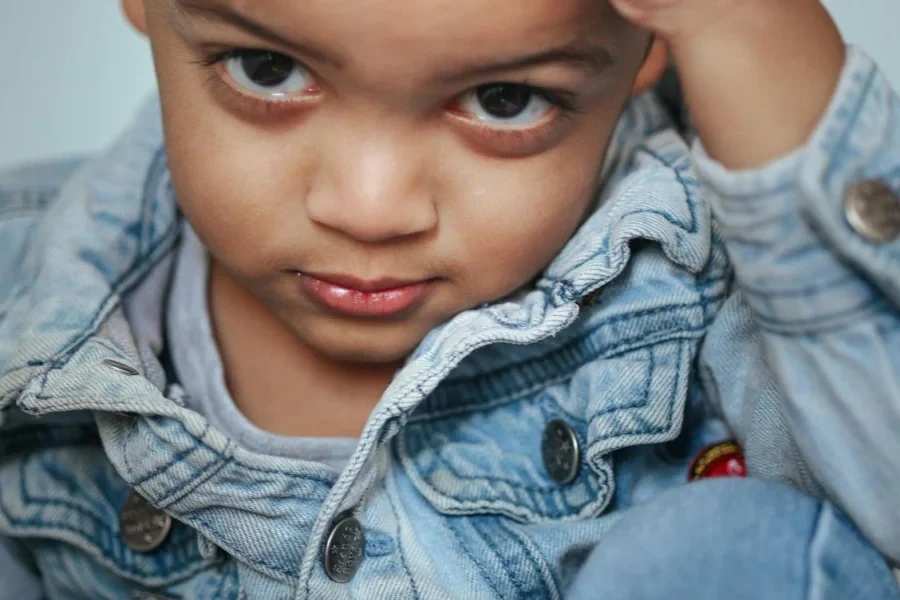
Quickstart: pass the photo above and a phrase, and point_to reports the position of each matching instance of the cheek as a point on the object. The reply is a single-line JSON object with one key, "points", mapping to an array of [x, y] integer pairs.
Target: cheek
{"points": [[238, 187], [223, 202], [238, 196], [521, 218], [536, 205]]}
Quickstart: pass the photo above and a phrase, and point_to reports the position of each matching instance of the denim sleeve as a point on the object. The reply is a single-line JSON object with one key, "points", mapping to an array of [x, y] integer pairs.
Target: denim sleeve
{"points": [[804, 360], [18, 578]]}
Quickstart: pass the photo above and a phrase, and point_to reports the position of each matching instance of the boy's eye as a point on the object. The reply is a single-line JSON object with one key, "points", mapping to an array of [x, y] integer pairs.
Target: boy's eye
{"points": [[267, 74], [506, 104]]}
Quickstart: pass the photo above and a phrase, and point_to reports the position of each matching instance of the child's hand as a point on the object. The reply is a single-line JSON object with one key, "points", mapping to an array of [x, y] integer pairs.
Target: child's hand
{"points": [[757, 74], [670, 19]]}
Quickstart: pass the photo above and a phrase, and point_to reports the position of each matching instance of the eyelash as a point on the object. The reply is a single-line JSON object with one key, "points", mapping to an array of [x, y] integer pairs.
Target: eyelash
{"points": [[564, 101]]}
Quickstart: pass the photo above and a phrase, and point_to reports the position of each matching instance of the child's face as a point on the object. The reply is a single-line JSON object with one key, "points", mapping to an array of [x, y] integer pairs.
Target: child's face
{"points": [[454, 142]]}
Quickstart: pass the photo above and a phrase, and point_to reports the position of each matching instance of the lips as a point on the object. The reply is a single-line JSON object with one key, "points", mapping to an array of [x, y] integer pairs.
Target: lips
{"points": [[348, 295]]}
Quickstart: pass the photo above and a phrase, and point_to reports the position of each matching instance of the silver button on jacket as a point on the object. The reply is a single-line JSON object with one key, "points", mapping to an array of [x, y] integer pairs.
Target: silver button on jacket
{"points": [[872, 209], [344, 550], [560, 452], [142, 526]]}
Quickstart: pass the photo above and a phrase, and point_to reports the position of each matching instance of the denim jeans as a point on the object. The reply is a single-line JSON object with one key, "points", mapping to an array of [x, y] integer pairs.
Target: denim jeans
{"points": [[735, 539]]}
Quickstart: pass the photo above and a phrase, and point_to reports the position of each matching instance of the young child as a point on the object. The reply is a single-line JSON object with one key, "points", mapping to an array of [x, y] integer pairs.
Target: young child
{"points": [[424, 299]]}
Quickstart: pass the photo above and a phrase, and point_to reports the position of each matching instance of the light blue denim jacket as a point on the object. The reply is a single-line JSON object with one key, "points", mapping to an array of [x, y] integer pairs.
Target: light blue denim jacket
{"points": [[655, 331]]}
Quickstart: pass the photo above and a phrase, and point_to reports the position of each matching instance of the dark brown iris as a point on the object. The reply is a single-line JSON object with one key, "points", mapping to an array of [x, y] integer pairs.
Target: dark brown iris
{"points": [[266, 69], [504, 100]]}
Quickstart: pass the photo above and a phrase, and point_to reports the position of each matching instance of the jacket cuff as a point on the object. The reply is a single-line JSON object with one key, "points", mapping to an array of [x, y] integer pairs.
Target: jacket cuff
{"points": [[815, 235]]}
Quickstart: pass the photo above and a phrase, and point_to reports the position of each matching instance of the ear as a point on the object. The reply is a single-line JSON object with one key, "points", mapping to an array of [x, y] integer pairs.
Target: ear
{"points": [[134, 11], [653, 68]]}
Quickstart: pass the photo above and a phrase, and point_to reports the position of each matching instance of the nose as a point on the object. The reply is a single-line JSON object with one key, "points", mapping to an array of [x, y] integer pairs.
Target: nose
{"points": [[373, 189]]}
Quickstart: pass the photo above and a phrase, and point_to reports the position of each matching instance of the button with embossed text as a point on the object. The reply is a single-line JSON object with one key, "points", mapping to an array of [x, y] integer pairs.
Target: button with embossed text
{"points": [[559, 449], [344, 550], [143, 527]]}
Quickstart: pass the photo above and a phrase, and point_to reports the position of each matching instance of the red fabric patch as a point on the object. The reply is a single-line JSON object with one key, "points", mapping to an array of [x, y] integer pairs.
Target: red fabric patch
{"points": [[718, 460]]}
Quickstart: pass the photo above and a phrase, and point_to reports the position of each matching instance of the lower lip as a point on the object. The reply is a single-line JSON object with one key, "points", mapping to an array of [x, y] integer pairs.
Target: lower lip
{"points": [[381, 303]]}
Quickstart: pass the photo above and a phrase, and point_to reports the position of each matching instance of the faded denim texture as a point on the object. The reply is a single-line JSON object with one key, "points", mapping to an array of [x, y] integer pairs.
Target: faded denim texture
{"points": [[656, 331]]}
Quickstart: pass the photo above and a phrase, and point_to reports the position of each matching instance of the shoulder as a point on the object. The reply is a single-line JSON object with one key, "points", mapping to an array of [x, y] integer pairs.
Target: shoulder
{"points": [[26, 196], [27, 191]]}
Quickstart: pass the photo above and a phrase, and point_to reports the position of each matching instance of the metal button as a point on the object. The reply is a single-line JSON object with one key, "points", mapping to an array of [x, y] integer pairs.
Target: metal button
{"points": [[872, 209], [121, 367], [344, 550], [560, 452], [142, 526]]}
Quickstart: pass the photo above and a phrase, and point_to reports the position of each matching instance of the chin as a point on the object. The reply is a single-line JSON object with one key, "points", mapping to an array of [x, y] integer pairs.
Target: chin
{"points": [[371, 349], [366, 355]]}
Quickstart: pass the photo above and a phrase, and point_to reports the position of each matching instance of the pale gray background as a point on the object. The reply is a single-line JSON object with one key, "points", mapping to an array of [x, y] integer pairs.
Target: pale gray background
{"points": [[72, 72]]}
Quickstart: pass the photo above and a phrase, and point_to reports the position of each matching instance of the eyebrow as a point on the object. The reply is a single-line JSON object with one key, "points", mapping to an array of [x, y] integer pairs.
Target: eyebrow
{"points": [[584, 55], [218, 11]]}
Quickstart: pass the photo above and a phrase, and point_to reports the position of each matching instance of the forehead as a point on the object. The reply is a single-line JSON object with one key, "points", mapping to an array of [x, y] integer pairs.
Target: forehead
{"points": [[411, 28]]}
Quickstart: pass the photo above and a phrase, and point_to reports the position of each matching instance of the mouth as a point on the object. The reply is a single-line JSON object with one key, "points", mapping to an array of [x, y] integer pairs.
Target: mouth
{"points": [[384, 297]]}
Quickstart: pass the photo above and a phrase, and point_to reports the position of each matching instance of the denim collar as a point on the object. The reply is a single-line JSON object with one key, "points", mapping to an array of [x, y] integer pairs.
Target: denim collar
{"points": [[112, 230]]}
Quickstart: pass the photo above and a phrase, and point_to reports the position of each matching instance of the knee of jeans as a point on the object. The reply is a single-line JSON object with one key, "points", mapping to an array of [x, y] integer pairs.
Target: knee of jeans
{"points": [[714, 534], [717, 517], [714, 529], [733, 503], [729, 516]]}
